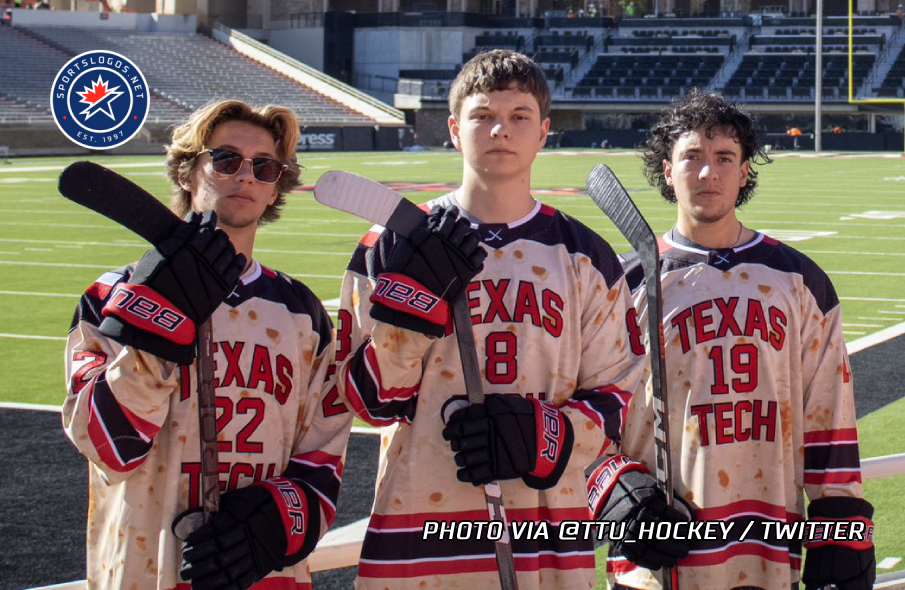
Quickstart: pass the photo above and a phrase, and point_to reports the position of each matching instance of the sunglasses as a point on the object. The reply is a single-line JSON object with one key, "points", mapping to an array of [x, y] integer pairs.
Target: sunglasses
{"points": [[229, 162]]}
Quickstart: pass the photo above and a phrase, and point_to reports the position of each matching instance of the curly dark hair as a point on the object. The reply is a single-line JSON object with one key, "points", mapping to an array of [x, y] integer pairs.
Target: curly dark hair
{"points": [[707, 112]]}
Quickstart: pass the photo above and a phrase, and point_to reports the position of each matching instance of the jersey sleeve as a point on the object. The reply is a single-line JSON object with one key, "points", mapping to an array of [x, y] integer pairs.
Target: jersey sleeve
{"points": [[380, 365], [831, 459], [117, 397], [612, 360], [318, 454]]}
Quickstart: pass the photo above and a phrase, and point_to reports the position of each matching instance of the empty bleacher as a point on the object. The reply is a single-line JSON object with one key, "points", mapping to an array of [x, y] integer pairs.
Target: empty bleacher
{"points": [[187, 71], [26, 78], [791, 76], [646, 76], [893, 85]]}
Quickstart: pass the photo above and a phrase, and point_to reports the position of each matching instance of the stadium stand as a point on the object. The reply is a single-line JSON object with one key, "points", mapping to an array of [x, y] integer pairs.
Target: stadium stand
{"points": [[178, 69], [25, 79], [893, 85]]}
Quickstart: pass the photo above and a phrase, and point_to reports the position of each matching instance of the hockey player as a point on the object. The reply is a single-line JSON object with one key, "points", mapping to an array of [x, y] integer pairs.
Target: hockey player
{"points": [[760, 392], [553, 326], [131, 407]]}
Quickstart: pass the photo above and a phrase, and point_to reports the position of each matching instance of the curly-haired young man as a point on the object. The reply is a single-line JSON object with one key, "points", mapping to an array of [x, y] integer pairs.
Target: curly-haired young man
{"points": [[760, 392], [131, 407]]}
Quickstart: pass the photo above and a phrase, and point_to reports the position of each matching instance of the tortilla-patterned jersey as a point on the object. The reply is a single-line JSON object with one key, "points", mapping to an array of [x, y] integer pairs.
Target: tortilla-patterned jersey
{"points": [[550, 311], [760, 404]]}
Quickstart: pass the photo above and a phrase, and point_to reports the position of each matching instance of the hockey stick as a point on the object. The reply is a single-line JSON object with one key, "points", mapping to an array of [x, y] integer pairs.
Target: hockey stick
{"points": [[129, 205], [378, 204], [612, 198]]}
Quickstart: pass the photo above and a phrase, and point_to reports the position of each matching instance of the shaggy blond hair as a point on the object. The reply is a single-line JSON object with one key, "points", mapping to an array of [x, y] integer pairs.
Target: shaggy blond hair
{"points": [[189, 139]]}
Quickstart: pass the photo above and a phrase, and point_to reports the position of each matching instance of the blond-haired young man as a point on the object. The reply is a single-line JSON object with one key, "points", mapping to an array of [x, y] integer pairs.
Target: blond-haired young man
{"points": [[131, 407]]}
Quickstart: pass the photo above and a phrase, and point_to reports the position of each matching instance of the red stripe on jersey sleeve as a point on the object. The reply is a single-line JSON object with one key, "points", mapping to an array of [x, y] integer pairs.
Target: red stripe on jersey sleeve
{"points": [[353, 397], [849, 435], [546, 209], [831, 477], [369, 239], [619, 565], [103, 442], [268, 272], [383, 394], [320, 458], [99, 290]]}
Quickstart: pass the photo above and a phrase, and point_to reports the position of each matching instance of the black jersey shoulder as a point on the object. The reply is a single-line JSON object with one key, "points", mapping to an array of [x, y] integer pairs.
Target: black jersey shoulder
{"points": [[784, 258], [552, 227], [278, 287]]}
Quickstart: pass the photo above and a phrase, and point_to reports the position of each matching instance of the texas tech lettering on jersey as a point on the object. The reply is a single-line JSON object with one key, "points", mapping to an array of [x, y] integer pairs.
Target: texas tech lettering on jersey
{"points": [[759, 391], [135, 418], [550, 313]]}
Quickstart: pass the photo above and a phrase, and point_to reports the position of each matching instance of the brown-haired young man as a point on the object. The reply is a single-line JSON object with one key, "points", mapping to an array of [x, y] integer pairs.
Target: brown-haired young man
{"points": [[131, 407], [760, 392], [553, 326]]}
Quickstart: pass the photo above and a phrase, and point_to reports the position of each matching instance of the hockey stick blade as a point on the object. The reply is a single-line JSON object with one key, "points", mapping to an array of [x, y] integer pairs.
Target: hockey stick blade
{"points": [[378, 204], [612, 198], [115, 197], [121, 200], [369, 200]]}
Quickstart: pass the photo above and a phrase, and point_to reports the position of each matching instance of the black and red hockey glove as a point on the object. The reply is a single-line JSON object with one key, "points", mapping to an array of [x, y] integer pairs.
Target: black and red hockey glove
{"points": [[259, 529], [621, 490], [426, 271], [174, 289], [849, 564], [507, 437]]}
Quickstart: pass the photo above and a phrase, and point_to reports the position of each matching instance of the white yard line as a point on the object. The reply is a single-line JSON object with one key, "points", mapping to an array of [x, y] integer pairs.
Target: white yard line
{"points": [[60, 167], [876, 338], [867, 273], [39, 294], [873, 299], [144, 245], [31, 337], [55, 264]]}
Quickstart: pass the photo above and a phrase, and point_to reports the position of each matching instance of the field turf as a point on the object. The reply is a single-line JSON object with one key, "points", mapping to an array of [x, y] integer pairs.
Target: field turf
{"points": [[847, 213]]}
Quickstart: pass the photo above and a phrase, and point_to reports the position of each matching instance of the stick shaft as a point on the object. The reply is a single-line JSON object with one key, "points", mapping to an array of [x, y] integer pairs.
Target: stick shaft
{"points": [[207, 417]]}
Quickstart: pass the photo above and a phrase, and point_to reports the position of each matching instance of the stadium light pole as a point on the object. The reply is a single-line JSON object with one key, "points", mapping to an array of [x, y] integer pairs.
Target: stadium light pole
{"points": [[818, 77]]}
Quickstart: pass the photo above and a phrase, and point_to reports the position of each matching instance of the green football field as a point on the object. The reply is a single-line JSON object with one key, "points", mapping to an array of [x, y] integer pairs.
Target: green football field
{"points": [[847, 213]]}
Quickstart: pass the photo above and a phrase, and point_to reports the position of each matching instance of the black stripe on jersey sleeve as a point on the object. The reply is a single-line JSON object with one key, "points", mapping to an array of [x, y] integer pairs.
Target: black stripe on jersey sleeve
{"points": [[608, 406], [323, 478], [120, 432], [369, 390], [823, 457], [757, 533]]}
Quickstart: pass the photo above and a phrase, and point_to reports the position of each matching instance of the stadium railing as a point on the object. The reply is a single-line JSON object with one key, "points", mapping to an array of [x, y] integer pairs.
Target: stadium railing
{"points": [[304, 74]]}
